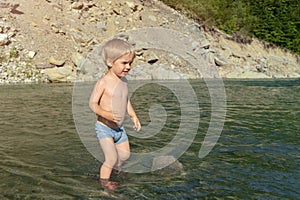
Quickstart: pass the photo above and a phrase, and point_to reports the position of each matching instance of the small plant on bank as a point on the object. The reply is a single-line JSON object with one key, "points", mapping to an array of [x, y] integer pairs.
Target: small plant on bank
{"points": [[3, 58], [13, 53]]}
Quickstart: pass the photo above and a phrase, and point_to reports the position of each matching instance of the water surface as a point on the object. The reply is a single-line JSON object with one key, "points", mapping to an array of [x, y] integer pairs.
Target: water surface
{"points": [[256, 157]]}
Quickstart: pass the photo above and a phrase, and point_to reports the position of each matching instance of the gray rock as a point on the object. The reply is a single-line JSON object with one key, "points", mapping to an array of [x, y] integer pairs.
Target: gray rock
{"points": [[60, 74], [220, 61], [152, 58], [55, 61], [77, 5], [162, 73], [77, 59], [293, 75], [31, 54], [3, 39]]}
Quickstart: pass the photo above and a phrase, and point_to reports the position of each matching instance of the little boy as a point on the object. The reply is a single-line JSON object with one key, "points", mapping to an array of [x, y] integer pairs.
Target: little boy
{"points": [[109, 100]]}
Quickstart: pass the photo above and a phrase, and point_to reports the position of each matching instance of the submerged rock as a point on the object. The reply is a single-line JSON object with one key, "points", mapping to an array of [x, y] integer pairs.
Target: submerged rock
{"points": [[166, 163]]}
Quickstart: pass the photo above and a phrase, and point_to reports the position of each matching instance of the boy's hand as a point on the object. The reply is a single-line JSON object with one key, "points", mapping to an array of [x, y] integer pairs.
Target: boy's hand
{"points": [[137, 125]]}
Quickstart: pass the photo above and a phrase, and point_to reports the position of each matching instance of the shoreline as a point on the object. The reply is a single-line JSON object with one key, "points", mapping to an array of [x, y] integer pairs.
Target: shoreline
{"points": [[162, 80]]}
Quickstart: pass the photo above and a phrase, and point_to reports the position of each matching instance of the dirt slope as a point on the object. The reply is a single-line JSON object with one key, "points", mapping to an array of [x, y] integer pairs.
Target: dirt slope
{"points": [[47, 33]]}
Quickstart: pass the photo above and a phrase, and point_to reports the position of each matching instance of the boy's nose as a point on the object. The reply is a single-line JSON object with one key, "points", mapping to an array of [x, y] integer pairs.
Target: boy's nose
{"points": [[128, 66]]}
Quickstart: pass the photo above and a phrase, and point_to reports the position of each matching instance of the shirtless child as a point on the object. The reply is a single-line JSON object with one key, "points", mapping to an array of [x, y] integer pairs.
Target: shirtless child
{"points": [[109, 100]]}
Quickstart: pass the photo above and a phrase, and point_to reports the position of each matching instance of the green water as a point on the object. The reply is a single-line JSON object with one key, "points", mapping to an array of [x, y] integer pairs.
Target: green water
{"points": [[257, 155]]}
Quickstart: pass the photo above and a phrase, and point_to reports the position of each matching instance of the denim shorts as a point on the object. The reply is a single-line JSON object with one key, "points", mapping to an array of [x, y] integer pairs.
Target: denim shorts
{"points": [[118, 135]]}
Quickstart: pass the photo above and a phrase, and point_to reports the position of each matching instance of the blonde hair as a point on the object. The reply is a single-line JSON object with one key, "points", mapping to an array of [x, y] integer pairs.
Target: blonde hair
{"points": [[114, 49]]}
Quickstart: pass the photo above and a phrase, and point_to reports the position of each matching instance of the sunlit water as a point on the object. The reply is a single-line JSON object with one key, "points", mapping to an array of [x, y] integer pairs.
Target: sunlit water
{"points": [[256, 157]]}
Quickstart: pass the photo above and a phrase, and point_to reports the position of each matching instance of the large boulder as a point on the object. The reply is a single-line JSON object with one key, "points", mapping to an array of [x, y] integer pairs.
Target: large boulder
{"points": [[60, 74]]}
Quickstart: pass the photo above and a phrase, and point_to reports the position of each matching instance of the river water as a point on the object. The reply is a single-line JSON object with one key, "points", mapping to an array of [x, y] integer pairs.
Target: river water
{"points": [[257, 156]]}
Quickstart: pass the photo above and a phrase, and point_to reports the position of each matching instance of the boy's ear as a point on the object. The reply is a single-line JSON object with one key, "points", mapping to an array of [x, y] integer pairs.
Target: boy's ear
{"points": [[109, 64]]}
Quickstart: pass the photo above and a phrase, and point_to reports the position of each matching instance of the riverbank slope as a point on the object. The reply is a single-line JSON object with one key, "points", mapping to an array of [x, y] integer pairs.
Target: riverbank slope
{"points": [[48, 41]]}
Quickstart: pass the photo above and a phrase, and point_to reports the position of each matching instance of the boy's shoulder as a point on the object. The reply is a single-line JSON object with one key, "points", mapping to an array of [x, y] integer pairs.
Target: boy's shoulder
{"points": [[102, 81], [103, 78]]}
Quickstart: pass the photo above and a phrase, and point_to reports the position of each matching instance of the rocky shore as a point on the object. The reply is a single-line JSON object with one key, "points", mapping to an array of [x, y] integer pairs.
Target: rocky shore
{"points": [[58, 41]]}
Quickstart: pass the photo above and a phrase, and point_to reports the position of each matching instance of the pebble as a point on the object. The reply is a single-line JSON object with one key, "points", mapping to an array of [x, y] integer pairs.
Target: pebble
{"points": [[3, 39], [16, 71], [31, 54], [77, 5]]}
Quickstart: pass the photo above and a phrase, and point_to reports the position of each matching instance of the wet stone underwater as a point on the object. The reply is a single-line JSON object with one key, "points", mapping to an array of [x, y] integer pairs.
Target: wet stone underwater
{"points": [[256, 157]]}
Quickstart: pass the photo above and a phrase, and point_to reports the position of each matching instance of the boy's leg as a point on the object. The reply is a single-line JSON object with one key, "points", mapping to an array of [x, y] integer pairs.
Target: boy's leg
{"points": [[110, 155], [123, 151]]}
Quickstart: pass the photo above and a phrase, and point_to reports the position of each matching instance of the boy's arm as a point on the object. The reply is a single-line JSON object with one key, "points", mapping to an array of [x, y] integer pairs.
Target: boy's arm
{"points": [[96, 97], [137, 125]]}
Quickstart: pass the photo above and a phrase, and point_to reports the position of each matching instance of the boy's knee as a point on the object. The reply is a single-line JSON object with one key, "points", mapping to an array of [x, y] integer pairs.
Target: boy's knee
{"points": [[124, 156], [110, 162]]}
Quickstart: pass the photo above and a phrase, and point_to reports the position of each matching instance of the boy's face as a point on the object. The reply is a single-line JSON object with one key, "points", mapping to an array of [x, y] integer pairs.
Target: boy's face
{"points": [[122, 65]]}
